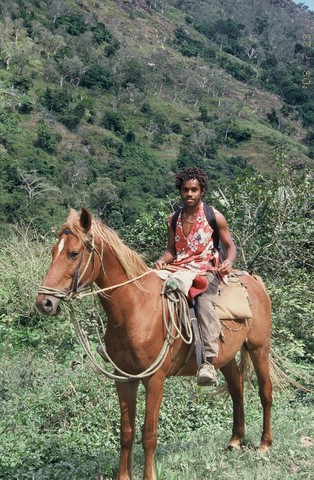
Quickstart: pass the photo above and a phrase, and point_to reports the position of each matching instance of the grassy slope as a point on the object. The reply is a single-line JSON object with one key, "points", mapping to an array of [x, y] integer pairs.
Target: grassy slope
{"points": [[57, 423], [145, 35]]}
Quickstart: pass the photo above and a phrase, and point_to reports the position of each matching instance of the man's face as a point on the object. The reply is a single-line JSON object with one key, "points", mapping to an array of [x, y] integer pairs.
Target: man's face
{"points": [[191, 193]]}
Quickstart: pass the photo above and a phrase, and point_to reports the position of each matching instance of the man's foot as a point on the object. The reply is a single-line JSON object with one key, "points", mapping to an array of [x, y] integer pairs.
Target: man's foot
{"points": [[206, 375]]}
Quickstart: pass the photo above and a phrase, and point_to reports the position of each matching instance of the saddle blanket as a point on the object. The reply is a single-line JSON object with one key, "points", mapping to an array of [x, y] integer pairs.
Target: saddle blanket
{"points": [[233, 300]]}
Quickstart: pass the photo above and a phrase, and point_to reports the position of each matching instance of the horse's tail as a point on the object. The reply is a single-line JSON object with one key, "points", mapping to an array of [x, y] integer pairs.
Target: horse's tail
{"points": [[246, 370], [246, 365], [281, 371]]}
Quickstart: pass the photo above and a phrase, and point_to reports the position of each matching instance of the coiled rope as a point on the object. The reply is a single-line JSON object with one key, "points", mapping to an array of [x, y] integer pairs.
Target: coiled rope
{"points": [[176, 302]]}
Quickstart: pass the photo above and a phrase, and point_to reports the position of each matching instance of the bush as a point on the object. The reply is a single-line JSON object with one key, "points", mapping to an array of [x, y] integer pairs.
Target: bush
{"points": [[56, 99], [114, 121], [46, 138], [102, 34], [26, 105], [187, 45], [74, 24], [97, 76], [240, 71]]}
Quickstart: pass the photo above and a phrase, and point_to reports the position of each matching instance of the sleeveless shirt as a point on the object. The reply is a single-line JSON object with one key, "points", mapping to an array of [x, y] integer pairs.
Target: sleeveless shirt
{"points": [[196, 251]]}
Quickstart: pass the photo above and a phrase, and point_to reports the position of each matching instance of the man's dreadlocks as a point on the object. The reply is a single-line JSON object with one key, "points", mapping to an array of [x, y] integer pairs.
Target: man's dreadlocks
{"points": [[192, 173]]}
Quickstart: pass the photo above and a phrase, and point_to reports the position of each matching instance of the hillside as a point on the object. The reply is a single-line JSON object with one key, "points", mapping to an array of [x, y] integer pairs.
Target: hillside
{"points": [[102, 101]]}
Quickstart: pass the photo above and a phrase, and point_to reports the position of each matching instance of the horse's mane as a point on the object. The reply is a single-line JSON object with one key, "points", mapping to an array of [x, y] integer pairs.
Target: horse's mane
{"points": [[129, 259]]}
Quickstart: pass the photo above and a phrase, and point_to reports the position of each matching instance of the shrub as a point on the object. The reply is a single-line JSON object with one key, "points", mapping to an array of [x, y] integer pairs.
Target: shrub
{"points": [[56, 99], [238, 70], [74, 24], [102, 34], [114, 121], [187, 45], [26, 105], [97, 76], [46, 138]]}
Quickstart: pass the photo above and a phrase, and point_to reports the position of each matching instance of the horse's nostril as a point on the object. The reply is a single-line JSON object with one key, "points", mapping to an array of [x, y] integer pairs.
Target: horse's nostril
{"points": [[47, 305]]}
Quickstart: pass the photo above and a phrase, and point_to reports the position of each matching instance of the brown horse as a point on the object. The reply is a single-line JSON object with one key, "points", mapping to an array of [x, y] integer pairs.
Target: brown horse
{"points": [[87, 251]]}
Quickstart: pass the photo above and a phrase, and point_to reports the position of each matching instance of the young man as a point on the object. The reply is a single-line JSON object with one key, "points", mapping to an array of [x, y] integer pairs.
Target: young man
{"points": [[191, 246]]}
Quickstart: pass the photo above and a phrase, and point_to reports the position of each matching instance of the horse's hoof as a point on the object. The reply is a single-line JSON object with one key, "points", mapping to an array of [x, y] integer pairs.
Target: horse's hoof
{"points": [[262, 448], [233, 446]]}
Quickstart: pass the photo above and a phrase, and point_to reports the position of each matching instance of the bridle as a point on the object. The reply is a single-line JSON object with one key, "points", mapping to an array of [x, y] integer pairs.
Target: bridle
{"points": [[89, 246]]}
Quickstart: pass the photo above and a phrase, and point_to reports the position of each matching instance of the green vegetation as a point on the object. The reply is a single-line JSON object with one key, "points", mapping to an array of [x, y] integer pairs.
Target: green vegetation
{"points": [[63, 423], [84, 99], [60, 419], [100, 104]]}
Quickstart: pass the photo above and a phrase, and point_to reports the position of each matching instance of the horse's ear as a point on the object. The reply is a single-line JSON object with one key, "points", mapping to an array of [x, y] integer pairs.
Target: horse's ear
{"points": [[85, 220], [73, 216]]}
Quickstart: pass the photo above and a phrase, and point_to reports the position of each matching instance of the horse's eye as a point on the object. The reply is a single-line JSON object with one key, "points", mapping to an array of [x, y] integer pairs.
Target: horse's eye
{"points": [[73, 255]]}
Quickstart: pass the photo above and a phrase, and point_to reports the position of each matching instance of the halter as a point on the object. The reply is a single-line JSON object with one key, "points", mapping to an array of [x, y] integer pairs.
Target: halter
{"points": [[89, 246]]}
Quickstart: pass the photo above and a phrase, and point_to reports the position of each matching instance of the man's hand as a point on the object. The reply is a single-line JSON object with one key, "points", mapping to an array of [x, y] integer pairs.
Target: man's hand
{"points": [[159, 264], [225, 267]]}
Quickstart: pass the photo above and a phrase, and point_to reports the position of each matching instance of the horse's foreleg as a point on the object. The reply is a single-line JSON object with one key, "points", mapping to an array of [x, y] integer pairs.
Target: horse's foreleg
{"points": [[127, 397], [154, 391], [260, 359], [235, 385]]}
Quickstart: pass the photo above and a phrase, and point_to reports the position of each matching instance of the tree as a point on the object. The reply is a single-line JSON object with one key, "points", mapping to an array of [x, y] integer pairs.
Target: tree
{"points": [[35, 185], [46, 138], [102, 194], [56, 9], [271, 219], [72, 69]]}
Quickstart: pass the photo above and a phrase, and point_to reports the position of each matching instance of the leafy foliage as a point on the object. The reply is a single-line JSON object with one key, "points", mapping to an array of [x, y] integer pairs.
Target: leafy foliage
{"points": [[46, 138], [78, 93]]}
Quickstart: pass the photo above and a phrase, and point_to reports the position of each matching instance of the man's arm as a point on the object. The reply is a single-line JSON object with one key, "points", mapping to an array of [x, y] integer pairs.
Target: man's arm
{"points": [[170, 252], [226, 240]]}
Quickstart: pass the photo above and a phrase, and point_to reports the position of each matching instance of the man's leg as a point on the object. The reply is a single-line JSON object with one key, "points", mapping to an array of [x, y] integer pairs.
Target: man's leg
{"points": [[210, 328]]}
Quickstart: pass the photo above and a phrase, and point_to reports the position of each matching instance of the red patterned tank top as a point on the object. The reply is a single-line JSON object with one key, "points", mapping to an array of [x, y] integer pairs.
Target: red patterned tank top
{"points": [[196, 251]]}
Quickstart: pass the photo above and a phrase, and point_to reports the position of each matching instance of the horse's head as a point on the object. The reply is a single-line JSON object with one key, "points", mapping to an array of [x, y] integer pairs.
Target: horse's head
{"points": [[74, 264]]}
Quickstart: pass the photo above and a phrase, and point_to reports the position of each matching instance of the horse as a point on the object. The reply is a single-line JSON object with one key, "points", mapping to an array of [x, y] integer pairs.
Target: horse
{"points": [[89, 252]]}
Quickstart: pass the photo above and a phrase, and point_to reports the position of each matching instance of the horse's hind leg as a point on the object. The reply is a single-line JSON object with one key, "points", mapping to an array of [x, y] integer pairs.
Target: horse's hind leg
{"points": [[127, 398], [260, 359], [234, 380]]}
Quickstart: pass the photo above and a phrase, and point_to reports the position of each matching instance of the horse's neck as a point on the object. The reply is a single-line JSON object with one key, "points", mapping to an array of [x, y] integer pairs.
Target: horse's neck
{"points": [[111, 273], [119, 301]]}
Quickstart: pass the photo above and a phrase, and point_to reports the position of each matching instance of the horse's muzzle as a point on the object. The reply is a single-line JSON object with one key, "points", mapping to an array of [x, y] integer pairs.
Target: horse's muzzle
{"points": [[47, 304]]}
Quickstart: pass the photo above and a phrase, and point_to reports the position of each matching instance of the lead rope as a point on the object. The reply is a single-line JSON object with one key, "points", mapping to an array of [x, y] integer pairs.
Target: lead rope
{"points": [[177, 305], [124, 377]]}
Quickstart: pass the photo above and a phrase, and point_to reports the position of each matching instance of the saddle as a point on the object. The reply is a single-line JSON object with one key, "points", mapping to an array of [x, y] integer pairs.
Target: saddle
{"points": [[233, 300]]}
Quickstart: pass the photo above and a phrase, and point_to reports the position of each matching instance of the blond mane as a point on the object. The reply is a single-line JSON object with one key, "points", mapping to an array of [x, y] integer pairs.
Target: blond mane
{"points": [[131, 262]]}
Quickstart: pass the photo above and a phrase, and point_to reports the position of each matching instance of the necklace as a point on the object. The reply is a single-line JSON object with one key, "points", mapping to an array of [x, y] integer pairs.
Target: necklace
{"points": [[187, 220]]}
